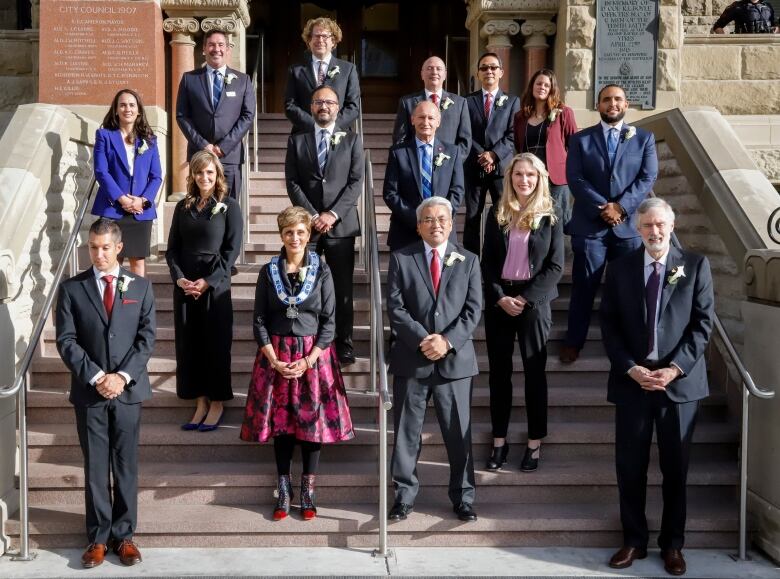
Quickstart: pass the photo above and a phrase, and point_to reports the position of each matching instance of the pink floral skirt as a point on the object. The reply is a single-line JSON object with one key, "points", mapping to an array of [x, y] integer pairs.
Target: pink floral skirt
{"points": [[313, 407]]}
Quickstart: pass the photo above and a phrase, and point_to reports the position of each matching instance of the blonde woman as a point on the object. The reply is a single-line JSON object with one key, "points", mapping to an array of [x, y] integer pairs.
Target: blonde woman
{"points": [[522, 263]]}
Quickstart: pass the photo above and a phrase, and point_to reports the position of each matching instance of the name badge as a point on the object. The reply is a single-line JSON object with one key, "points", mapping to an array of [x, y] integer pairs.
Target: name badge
{"points": [[230, 93]]}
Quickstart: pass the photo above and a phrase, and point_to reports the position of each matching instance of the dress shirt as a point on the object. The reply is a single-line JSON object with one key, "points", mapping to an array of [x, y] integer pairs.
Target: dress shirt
{"points": [[223, 71], [331, 128], [418, 144], [315, 66], [493, 95], [649, 260], [101, 290], [438, 93], [517, 264], [130, 150], [605, 128]]}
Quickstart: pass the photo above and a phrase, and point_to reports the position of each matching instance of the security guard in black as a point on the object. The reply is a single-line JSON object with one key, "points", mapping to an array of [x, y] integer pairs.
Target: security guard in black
{"points": [[749, 17]]}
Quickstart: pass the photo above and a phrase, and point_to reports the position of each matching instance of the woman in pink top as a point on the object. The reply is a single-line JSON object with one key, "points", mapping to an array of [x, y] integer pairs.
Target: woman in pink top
{"points": [[522, 263]]}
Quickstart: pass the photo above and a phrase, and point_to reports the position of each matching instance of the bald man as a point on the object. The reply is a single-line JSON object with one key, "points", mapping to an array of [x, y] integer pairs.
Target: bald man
{"points": [[455, 126]]}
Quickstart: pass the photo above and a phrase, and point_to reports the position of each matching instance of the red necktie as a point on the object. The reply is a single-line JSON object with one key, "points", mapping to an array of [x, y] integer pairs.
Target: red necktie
{"points": [[108, 294], [488, 96], [435, 271], [435, 99]]}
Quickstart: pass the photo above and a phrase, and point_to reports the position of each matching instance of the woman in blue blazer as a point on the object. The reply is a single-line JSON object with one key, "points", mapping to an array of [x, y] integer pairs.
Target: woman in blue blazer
{"points": [[127, 168]]}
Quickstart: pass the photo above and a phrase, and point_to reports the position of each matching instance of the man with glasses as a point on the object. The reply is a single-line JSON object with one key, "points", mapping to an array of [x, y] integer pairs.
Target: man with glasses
{"points": [[492, 114], [417, 169], [324, 174], [454, 126], [320, 68]]}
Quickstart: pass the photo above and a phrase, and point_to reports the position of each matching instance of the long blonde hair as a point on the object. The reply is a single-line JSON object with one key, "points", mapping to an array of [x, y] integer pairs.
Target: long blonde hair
{"points": [[540, 203]]}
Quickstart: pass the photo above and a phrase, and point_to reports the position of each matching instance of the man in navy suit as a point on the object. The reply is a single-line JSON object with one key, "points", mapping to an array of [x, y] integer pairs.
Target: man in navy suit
{"points": [[455, 126], [105, 335], [656, 321], [215, 108], [320, 68], [492, 114], [418, 169], [611, 167]]}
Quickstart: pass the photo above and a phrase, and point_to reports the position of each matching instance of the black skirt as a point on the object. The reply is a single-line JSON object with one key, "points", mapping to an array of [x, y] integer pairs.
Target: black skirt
{"points": [[136, 236]]}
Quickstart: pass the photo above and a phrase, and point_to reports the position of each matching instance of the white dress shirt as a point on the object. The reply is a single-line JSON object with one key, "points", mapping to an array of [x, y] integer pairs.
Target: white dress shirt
{"points": [[101, 285], [130, 150], [315, 65], [318, 136], [605, 128], [223, 71], [438, 93]]}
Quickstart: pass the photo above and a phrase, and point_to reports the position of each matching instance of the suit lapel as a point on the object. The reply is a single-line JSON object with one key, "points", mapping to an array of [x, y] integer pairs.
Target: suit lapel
{"points": [[308, 72], [437, 184], [598, 137], [411, 153], [447, 272], [119, 145], [311, 148], [425, 270], [478, 113], [204, 82], [496, 111], [90, 288], [638, 284], [622, 144], [674, 260]]}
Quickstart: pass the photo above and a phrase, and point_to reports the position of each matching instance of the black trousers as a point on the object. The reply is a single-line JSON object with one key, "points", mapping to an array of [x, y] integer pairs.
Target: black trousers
{"points": [[476, 195], [233, 179], [108, 435], [531, 330], [340, 255], [674, 424]]}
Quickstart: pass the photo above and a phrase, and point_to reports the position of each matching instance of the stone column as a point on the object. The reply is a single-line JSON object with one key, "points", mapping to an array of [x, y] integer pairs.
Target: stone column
{"points": [[182, 60], [497, 33], [535, 45]]}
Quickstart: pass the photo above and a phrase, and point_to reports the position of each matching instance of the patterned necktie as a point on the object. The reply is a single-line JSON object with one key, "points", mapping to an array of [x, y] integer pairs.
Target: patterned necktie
{"points": [[435, 99], [612, 143], [217, 87], [435, 271], [651, 300], [321, 72], [425, 175], [322, 150], [488, 98], [108, 294]]}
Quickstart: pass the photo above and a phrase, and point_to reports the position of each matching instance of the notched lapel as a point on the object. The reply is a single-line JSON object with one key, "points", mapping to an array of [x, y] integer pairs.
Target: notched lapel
{"points": [[204, 82], [597, 136], [425, 272], [439, 172], [622, 143], [674, 260], [411, 155], [90, 287], [311, 149], [119, 145]]}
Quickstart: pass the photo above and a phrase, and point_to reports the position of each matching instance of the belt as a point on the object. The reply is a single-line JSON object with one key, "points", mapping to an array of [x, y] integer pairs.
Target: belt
{"points": [[515, 282]]}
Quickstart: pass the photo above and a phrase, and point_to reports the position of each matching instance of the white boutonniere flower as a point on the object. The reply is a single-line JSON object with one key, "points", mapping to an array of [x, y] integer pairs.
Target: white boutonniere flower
{"points": [[440, 158], [142, 148], [447, 103], [218, 208], [229, 78], [630, 132], [336, 137], [302, 273], [333, 72], [124, 284], [501, 100], [553, 114], [537, 222], [676, 274], [453, 258]]}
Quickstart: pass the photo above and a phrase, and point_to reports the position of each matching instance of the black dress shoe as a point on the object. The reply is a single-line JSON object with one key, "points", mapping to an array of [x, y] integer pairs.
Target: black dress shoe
{"points": [[529, 463], [465, 512], [497, 457], [399, 511]]}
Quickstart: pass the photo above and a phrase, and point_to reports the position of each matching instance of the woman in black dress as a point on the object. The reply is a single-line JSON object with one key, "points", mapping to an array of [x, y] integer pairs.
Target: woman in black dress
{"points": [[297, 392], [203, 244], [522, 263]]}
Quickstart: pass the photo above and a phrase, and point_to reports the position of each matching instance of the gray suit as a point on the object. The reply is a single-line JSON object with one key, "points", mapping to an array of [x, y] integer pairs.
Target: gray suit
{"points": [[415, 311]]}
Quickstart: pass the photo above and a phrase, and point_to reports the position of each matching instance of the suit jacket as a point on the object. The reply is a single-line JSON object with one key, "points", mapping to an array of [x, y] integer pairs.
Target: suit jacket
{"points": [[301, 83], [415, 312], [402, 188], [112, 171], [545, 260], [593, 182], [336, 189], [226, 125], [684, 324], [496, 135], [455, 125], [558, 134], [88, 342]]}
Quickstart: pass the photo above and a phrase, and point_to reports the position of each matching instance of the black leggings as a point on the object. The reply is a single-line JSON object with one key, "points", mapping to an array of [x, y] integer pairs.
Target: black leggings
{"points": [[283, 451]]}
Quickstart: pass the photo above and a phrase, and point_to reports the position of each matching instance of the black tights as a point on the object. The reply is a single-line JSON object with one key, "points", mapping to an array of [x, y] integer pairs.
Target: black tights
{"points": [[283, 451]]}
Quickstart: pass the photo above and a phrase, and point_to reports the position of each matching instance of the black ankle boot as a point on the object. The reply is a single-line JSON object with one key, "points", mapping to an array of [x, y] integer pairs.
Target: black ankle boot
{"points": [[497, 457], [529, 463], [285, 495], [308, 510]]}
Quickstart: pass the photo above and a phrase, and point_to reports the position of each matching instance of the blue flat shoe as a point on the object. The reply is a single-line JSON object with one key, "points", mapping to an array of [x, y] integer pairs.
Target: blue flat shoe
{"points": [[209, 427]]}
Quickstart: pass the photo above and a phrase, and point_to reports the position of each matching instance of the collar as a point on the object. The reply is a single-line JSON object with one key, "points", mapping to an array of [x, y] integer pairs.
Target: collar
{"points": [[331, 128], [419, 143], [439, 93], [442, 249], [99, 274], [492, 93], [222, 70], [315, 61], [649, 259], [605, 128]]}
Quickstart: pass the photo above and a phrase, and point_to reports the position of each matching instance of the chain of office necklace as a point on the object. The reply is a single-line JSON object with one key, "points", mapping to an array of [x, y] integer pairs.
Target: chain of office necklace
{"points": [[538, 137]]}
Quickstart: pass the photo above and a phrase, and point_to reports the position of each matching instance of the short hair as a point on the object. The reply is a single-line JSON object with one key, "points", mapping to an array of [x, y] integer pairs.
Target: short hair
{"points": [[606, 86], [432, 202], [214, 31], [325, 87], [322, 22], [654, 203], [426, 102], [104, 226], [494, 55], [293, 216]]}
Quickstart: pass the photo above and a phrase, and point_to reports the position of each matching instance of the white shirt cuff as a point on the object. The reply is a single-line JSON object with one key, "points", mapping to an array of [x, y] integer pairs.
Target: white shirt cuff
{"points": [[334, 214], [126, 376], [96, 377]]}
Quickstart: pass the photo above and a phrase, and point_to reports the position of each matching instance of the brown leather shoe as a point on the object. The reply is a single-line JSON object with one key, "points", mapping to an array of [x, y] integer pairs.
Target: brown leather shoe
{"points": [[626, 556], [674, 563], [568, 354], [94, 555], [128, 552]]}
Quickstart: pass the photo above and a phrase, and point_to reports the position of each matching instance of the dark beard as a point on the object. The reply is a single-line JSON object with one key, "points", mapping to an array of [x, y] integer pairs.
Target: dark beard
{"points": [[608, 120]]}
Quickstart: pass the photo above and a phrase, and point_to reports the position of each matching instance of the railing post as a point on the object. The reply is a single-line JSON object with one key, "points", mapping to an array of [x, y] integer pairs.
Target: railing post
{"points": [[743, 475], [24, 509]]}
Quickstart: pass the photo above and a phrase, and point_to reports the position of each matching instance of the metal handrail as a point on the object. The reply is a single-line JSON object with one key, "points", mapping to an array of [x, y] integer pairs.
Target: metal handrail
{"points": [[259, 64], [19, 386], [362, 260], [243, 200]]}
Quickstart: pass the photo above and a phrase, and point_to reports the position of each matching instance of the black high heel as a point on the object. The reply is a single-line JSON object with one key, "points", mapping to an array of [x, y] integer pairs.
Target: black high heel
{"points": [[529, 463], [497, 457], [308, 509], [285, 495]]}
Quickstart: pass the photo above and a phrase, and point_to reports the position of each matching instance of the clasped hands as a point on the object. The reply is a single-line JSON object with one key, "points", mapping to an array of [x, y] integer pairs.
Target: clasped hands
{"points": [[214, 149], [132, 203], [513, 306], [193, 288], [434, 347], [612, 213], [324, 222], [110, 386], [653, 379], [487, 160]]}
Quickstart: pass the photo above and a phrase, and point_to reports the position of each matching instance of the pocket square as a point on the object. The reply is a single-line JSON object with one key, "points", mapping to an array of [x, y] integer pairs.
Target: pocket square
{"points": [[125, 302]]}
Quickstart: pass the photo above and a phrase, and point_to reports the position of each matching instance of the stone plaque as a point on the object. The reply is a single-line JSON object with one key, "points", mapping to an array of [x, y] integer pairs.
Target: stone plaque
{"points": [[89, 49], [626, 48]]}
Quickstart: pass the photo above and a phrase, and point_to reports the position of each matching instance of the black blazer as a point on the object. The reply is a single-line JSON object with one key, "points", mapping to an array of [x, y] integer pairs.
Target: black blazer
{"points": [[301, 83], [684, 324], [545, 256], [497, 135], [337, 189], [88, 342]]}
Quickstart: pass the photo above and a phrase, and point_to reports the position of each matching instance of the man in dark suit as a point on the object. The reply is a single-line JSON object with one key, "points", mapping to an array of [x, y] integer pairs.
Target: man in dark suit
{"points": [[454, 126], [215, 108], [610, 167], [492, 114], [434, 302], [656, 321], [418, 169], [324, 173], [105, 335], [320, 68]]}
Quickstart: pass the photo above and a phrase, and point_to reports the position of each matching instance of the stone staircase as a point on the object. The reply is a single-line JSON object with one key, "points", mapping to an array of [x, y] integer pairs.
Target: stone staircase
{"points": [[211, 489]]}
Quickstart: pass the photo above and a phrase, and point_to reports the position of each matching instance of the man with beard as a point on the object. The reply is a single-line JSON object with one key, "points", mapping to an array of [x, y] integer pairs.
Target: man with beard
{"points": [[611, 167]]}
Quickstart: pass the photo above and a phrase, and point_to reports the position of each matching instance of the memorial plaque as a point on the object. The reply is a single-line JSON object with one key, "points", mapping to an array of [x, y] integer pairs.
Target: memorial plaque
{"points": [[89, 49], [627, 48]]}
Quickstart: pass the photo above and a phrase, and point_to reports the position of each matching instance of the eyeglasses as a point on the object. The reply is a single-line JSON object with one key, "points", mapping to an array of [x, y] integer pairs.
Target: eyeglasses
{"points": [[321, 36], [487, 67], [326, 103], [431, 220]]}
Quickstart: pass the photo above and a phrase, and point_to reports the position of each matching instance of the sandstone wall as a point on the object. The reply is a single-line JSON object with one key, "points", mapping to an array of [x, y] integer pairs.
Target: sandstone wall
{"points": [[18, 68]]}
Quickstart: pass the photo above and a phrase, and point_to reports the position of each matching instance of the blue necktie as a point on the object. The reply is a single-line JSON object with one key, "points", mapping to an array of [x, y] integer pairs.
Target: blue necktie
{"points": [[217, 87], [425, 156], [651, 300], [612, 143], [322, 150]]}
